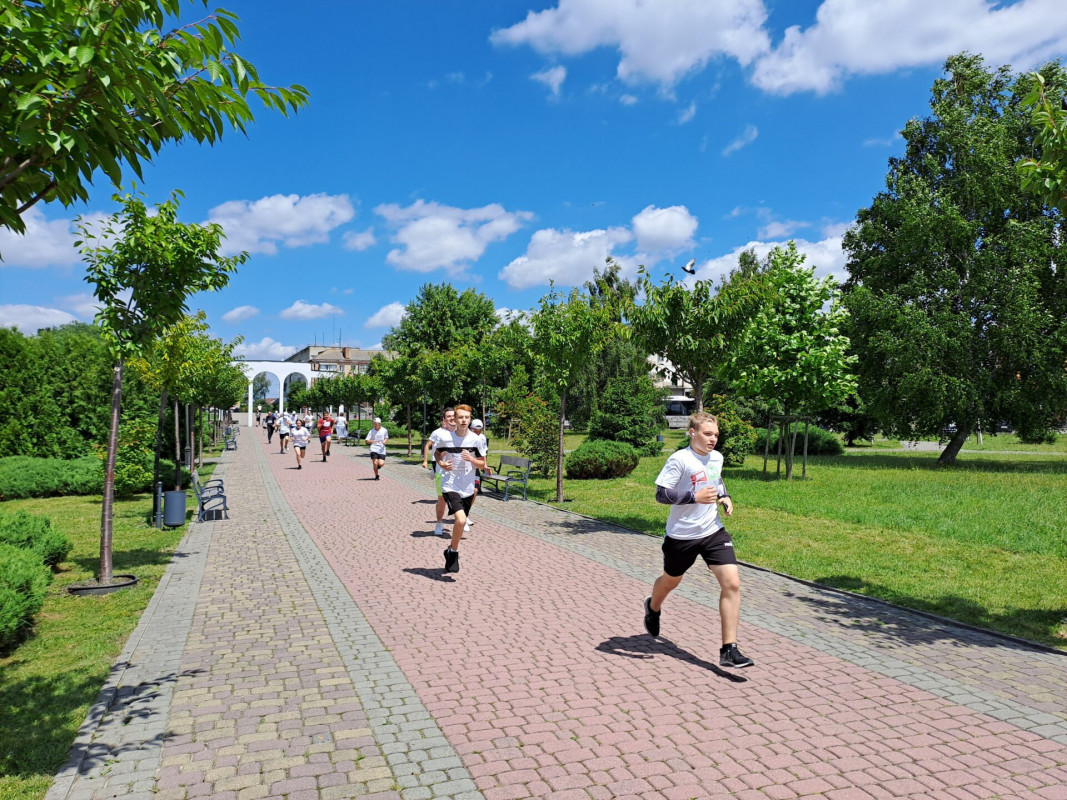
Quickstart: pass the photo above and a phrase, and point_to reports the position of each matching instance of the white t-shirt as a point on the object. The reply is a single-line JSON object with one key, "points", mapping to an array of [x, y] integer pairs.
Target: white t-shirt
{"points": [[460, 479], [688, 471], [436, 438], [377, 439], [301, 436]]}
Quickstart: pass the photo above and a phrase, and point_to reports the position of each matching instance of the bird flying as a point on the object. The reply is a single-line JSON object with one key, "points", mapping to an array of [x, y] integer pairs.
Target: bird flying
{"points": [[689, 267]]}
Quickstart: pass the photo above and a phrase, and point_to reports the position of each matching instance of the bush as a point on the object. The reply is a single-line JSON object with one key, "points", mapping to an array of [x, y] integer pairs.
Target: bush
{"points": [[23, 583], [629, 411], [36, 534], [820, 442], [26, 476], [536, 434], [736, 436], [601, 458]]}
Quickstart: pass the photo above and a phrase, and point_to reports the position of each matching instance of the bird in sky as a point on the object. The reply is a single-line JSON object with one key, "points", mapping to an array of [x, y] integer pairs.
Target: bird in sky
{"points": [[689, 267]]}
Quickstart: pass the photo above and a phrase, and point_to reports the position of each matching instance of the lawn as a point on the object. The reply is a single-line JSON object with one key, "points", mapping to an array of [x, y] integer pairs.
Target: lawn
{"points": [[48, 683], [984, 542]]}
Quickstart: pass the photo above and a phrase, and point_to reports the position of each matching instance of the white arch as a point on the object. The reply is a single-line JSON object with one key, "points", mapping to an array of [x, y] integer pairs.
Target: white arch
{"points": [[279, 370]]}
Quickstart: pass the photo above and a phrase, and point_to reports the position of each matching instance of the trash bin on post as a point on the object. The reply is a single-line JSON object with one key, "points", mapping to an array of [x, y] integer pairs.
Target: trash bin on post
{"points": [[173, 509]]}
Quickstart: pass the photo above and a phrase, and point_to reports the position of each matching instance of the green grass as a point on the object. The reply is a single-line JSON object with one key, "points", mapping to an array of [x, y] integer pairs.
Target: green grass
{"points": [[983, 542], [48, 682]]}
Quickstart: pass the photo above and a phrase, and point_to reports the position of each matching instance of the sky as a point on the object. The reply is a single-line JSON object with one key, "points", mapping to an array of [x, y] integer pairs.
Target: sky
{"points": [[506, 145]]}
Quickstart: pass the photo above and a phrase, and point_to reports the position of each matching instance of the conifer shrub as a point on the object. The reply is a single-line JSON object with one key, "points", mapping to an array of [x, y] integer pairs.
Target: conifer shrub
{"points": [[36, 534], [23, 583], [601, 459], [26, 476]]}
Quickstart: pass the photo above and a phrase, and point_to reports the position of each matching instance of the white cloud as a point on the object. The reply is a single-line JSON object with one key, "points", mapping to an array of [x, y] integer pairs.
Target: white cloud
{"points": [[825, 255], [387, 316], [887, 141], [566, 257], [84, 306], [781, 229], [688, 114], [266, 349], [359, 240], [29, 319], [302, 310], [433, 236], [552, 77], [658, 42], [294, 221], [747, 137], [375, 346], [832, 229], [858, 37], [240, 314], [663, 231], [628, 100], [46, 243]]}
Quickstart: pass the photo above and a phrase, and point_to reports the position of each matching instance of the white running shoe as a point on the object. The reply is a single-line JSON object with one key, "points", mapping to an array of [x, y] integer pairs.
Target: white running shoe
{"points": [[467, 528], [439, 529]]}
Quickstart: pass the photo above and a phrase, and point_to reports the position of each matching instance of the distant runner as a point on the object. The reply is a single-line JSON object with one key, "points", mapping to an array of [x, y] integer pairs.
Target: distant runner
{"points": [[325, 426], [301, 437], [376, 439]]}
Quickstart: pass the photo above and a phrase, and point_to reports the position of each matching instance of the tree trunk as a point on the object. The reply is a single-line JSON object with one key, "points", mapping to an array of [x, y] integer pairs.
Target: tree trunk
{"points": [[948, 455], [188, 437], [409, 430], [177, 449], [789, 443], [159, 449], [559, 455], [698, 390], [199, 452], [107, 506]]}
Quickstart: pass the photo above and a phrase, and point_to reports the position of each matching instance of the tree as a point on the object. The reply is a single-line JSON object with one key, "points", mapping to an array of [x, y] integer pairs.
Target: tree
{"points": [[89, 85], [143, 268], [1044, 173], [694, 327], [440, 319], [792, 351], [958, 308], [566, 333], [633, 413]]}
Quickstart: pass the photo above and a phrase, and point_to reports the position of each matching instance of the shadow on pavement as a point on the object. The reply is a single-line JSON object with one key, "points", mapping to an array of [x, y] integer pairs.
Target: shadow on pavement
{"points": [[1039, 625], [644, 646], [433, 574], [423, 502]]}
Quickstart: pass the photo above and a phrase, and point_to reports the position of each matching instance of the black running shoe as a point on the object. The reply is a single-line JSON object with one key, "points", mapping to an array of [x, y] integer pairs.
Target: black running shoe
{"points": [[651, 618], [730, 656], [451, 560]]}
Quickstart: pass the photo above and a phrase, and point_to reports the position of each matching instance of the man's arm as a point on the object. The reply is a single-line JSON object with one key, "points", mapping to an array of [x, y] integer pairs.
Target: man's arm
{"points": [[674, 497]]}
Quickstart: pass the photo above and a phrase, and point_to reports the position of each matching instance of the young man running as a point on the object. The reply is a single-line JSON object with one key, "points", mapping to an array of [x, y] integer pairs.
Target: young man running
{"points": [[301, 437], [376, 439], [284, 428], [448, 424], [325, 426], [691, 483], [461, 453], [477, 427]]}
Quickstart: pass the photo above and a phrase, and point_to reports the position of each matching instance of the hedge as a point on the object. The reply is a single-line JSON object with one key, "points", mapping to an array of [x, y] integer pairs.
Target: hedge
{"points": [[26, 476], [23, 583], [36, 534], [601, 458]]}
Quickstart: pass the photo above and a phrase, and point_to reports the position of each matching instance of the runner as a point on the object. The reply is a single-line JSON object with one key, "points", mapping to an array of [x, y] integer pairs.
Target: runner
{"points": [[325, 426], [271, 419], [448, 424], [340, 430], [301, 437], [459, 455], [376, 438], [691, 483], [477, 426], [283, 432]]}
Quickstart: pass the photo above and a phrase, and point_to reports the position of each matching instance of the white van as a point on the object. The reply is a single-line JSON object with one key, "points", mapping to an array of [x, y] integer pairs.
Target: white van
{"points": [[678, 407]]}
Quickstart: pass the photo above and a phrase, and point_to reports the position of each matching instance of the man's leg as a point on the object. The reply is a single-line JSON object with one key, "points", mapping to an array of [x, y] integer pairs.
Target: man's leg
{"points": [[664, 585], [729, 599], [457, 528]]}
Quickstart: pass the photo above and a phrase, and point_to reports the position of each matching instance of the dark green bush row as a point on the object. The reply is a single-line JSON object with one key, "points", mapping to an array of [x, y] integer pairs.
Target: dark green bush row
{"points": [[23, 583], [26, 476], [601, 458], [35, 534], [820, 442]]}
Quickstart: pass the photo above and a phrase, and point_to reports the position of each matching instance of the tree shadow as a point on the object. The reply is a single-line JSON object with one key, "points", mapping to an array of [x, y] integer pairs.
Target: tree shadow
{"points": [[864, 613], [129, 560], [37, 717], [619, 523], [643, 646], [899, 460], [432, 574]]}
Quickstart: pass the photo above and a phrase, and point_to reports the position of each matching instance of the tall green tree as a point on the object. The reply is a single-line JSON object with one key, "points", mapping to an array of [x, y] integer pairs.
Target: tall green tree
{"points": [[441, 319], [1044, 171], [143, 267], [792, 353], [567, 331], [957, 292], [100, 85]]}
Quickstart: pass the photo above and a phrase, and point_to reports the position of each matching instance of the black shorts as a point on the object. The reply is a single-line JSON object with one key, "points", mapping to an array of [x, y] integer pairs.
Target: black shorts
{"points": [[300, 446], [456, 501], [680, 554], [378, 456]]}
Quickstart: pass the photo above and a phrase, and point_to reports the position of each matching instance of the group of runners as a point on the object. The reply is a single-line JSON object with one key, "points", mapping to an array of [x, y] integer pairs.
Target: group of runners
{"points": [[690, 482], [294, 431]]}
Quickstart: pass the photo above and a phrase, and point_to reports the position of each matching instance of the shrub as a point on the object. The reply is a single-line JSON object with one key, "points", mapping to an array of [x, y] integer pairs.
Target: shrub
{"points": [[537, 434], [820, 442], [36, 534], [736, 436], [601, 458], [25, 476], [23, 583], [629, 411]]}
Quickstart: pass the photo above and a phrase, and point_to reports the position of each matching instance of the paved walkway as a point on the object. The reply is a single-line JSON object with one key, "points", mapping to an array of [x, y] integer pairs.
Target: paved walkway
{"points": [[312, 647]]}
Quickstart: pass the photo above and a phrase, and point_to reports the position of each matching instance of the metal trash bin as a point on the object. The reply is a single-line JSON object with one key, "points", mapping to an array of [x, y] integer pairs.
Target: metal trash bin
{"points": [[174, 509]]}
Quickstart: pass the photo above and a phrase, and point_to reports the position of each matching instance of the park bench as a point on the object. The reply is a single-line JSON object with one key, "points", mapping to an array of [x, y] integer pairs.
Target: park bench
{"points": [[231, 441], [511, 471], [210, 497]]}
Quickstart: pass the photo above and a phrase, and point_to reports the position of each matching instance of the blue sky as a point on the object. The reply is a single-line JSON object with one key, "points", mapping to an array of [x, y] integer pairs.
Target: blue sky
{"points": [[502, 145]]}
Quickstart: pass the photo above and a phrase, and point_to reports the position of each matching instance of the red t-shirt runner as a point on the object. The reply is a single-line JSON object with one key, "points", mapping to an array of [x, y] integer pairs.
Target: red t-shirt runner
{"points": [[325, 427]]}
